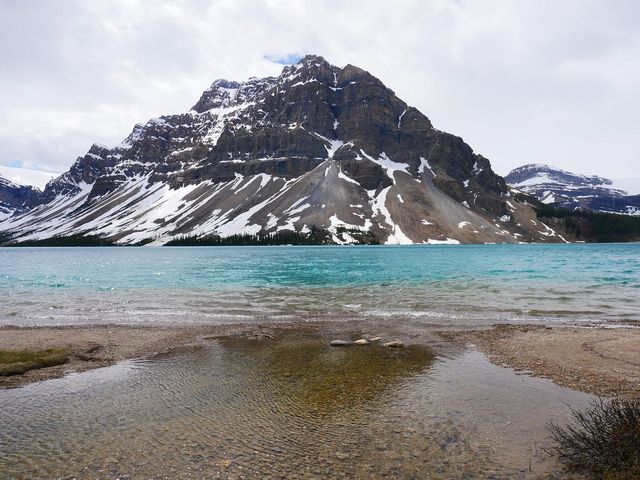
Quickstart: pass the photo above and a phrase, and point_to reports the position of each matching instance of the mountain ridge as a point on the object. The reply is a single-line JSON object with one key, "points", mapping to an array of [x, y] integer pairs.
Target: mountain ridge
{"points": [[16, 197], [570, 190], [318, 145]]}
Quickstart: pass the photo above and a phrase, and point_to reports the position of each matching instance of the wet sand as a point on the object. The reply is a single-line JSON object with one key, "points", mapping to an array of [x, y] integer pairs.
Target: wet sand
{"points": [[594, 360], [602, 361], [92, 347]]}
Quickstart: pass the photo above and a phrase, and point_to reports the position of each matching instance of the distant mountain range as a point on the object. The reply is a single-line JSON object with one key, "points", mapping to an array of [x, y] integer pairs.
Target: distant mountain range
{"points": [[16, 198], [571, 190], [318, 148]]}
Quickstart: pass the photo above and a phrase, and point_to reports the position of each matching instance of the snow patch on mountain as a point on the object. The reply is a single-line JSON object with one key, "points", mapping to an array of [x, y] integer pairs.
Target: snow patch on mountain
{"points": [[424, 164], [389, 166], [280, 153], [554, 186]]}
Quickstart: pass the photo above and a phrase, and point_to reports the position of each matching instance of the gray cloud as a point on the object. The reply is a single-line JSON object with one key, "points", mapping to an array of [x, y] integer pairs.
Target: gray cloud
{"points": [[527, 81]]}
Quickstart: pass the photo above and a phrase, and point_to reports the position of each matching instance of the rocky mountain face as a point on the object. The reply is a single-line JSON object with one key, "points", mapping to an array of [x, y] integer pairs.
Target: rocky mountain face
{"points": [[317, 146], [16, 198], [570, 190]]}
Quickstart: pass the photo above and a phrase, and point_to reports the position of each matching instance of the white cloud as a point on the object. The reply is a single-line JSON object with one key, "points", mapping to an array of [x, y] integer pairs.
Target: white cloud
{"points": [[23, 176], [526, 81]]}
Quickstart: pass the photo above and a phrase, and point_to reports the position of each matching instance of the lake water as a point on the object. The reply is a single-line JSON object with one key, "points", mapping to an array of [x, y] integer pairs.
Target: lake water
{"points": [[468, 284], [294, 407], [291, 407]]}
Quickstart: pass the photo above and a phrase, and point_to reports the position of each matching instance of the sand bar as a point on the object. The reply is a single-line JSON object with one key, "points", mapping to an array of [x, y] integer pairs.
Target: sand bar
{"points": [[91, 347], [595, 360], [603, 361]]}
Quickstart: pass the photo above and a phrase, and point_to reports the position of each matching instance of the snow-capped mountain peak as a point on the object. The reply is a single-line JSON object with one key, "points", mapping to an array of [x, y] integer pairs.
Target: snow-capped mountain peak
{"points": [[540, 174], [318, 145], [16, 197], [571, 190]]}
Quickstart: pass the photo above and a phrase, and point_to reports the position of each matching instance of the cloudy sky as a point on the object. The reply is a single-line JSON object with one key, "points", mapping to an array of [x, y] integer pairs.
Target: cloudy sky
{"points": [[535, 81]]}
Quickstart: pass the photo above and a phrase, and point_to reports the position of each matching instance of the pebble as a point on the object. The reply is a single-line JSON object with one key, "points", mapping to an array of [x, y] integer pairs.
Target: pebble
{"points": [[338, 343], [393, 344], [375, 339], [361, 341], [342, 456]]}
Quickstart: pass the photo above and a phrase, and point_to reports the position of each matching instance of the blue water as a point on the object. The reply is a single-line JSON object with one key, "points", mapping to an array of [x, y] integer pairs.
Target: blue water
{"points": [[467, 284]]}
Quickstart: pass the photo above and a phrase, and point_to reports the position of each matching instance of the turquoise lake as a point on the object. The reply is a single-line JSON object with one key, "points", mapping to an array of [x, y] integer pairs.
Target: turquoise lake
{"points": [[289, 405], [458, 284]]}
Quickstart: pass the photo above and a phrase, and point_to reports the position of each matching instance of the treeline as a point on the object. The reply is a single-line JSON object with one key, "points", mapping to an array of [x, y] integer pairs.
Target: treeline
{"points": [[245, 239], [362, 237], [316, 236], [4, 238], [589, 226], [78, 240]]}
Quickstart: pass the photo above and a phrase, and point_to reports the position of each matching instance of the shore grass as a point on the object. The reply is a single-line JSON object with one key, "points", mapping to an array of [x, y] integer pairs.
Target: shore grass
{"points": [[16, 362], [603, 442]]}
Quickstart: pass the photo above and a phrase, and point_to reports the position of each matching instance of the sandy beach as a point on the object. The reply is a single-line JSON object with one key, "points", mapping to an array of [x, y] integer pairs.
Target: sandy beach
{"points": [[602, 361], [89, 347]]}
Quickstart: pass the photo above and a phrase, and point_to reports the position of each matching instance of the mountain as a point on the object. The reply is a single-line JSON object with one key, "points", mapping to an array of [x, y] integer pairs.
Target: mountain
{"points": [[16, 198], [318, 146], [570, 190]]}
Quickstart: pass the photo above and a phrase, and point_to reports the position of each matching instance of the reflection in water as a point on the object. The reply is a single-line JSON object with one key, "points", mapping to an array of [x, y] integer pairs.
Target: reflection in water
{"points": [[289, 407]]}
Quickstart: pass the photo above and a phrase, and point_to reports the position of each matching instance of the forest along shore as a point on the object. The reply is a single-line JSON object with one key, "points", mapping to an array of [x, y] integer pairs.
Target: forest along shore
{"points": [[594, 360], [602, 361]]}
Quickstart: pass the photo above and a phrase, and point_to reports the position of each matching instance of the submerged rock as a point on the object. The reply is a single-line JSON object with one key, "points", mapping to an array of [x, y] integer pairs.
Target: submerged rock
{"points": [[361, 341], [393, 344], [339, 343]]}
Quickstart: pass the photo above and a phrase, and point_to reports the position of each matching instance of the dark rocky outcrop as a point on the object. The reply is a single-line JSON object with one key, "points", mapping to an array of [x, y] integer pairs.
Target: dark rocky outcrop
{"points": [[16, 198]]}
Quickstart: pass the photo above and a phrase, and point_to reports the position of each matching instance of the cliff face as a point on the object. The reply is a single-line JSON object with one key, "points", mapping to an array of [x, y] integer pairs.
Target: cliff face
{"points": [[318, 145]]}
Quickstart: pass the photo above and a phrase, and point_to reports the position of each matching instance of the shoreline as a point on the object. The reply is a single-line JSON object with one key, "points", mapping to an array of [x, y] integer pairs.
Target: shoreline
{"points": [[87, 347], [595, 360], [365, 411]]}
